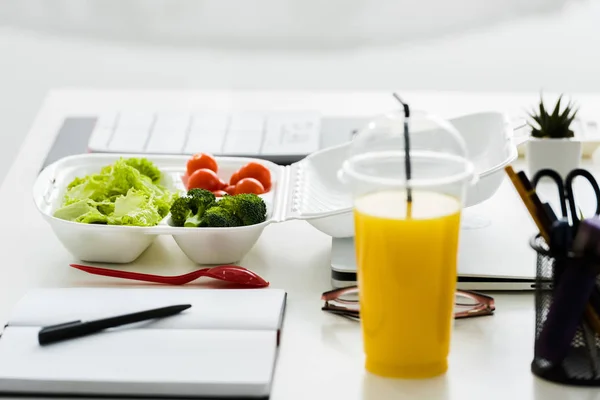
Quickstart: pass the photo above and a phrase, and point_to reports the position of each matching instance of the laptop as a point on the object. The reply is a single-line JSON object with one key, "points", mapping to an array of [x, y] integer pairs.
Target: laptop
{"points": [[280, 137]]}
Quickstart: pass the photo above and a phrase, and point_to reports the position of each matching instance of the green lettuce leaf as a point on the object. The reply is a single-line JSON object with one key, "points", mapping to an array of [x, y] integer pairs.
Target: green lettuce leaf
{"points": [[146, 168], [126, 192], [84, 211], [140, 217], [135, 209]]}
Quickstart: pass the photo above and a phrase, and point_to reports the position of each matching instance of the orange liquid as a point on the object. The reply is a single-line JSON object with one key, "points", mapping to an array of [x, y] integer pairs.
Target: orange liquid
{"points": [[407, 278]]}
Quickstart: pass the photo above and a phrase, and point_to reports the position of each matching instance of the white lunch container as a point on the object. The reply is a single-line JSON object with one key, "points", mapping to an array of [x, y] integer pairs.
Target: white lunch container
{"points": [[123, 244], [308, 190]]}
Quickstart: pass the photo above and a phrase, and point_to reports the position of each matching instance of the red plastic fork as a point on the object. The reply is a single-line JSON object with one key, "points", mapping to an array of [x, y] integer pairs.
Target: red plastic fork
{"points": [[227, 273]]}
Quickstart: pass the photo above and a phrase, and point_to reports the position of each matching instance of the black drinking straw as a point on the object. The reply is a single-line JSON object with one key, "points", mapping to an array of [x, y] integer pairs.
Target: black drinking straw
{"points": [[407, 164]]}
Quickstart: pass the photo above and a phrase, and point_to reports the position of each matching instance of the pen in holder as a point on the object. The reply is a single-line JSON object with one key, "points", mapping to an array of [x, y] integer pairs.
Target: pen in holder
{"points": [[567, 343]]}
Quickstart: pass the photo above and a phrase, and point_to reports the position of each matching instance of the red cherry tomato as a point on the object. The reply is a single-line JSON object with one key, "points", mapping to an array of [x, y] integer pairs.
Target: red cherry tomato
{"points": [[249, 185], [220, 193], [234, 178], [204, 179], [230, 189], [185, 178], [258, 172], [200, 161], [223, 184]]}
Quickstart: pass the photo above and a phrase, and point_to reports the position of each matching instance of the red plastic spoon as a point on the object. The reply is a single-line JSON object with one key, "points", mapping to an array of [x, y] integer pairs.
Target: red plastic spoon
{"points": [[227, 273]]}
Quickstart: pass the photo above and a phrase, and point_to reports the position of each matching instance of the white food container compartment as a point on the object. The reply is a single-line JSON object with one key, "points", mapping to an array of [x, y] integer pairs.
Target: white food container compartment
{"points": [[218, 245], [124, 244], [96, 243]]}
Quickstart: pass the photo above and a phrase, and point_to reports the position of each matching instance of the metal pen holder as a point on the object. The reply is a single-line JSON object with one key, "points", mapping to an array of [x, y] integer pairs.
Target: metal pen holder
{"points": [[581, 364]]}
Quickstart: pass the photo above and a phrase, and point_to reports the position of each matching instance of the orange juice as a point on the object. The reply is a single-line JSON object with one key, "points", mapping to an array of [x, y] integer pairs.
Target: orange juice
{"points": [[407, 277]]}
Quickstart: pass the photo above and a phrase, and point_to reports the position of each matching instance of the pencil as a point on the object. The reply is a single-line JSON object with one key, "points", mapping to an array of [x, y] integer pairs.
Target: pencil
{"points": [[543, 216], [528, 203]]}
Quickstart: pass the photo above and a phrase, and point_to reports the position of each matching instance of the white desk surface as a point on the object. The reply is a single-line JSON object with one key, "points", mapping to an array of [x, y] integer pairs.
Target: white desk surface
{"points": [[321, 354]]}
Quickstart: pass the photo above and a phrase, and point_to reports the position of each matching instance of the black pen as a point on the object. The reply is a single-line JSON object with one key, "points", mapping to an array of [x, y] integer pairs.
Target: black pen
{"points": [[74, 329]]}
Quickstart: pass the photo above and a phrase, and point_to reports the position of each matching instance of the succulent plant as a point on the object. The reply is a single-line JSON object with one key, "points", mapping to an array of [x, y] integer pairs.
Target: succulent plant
{"points": [[555, 125]]}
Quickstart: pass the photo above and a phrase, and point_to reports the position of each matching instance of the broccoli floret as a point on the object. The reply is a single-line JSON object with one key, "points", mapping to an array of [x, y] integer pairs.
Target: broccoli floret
{"points": [[197, 191], [248, 207], [217, 217], [193, 221], [199, 200], [200, 209], [180, 211]]}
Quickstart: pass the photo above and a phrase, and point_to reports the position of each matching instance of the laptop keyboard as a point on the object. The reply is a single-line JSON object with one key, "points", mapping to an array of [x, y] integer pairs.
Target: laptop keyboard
{"points": [[242, 133]]}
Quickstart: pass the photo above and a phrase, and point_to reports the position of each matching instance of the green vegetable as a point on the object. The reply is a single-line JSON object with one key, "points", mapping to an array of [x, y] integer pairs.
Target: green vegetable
{"points": [[194, 221], [146, 168], [196, 203], [200, 209], [249, 208], [84, 211], [127, 192], [180, 211], [218, 217], [201, 200], [135, 209]]}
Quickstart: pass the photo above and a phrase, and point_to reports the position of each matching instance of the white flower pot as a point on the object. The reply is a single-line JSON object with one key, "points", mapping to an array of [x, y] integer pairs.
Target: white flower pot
{"points": [[561, 155]]}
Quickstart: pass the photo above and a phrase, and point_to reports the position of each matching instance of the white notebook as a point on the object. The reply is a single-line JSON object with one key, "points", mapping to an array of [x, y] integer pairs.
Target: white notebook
{"points": [[225, 345]]}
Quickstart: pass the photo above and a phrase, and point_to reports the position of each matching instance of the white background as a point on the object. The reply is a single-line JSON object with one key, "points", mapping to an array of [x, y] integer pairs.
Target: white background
{"points": [[555, 51]]}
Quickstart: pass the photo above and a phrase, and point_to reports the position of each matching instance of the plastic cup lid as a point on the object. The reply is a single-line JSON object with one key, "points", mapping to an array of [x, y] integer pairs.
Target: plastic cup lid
{"points": [[437, 152]]}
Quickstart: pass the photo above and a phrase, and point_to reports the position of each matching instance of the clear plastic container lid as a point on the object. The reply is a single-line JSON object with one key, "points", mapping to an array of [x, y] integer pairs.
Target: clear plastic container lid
{"points": [[437, 153]]}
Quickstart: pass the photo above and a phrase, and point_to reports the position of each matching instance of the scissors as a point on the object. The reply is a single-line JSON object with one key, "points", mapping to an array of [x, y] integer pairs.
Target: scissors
{"points": [[565, 191]]}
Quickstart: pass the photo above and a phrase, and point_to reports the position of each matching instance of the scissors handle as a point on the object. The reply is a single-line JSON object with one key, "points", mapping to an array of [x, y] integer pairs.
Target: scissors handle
{"points": [[571, 195], [555, 176]]}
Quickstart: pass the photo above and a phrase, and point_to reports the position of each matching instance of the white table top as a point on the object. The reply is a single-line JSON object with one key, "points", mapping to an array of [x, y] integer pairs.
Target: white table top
{"points": [[321, 354]]}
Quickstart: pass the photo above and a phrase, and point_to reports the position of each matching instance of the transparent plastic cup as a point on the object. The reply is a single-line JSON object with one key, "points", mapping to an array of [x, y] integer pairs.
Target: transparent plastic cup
{"points": [[407, 251]]}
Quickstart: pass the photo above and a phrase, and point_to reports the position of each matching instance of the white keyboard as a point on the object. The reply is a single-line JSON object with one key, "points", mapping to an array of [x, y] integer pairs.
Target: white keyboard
{"points": [[241, 133]]}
